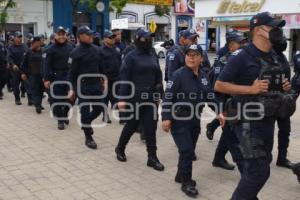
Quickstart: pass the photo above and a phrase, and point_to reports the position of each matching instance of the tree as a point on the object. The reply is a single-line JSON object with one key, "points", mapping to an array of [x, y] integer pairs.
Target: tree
{"points": [[3, 15], [115, 5]]}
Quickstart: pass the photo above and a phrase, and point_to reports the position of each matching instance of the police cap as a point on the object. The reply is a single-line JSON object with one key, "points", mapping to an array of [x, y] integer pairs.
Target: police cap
{"points": [[85, 30], [265, 18]]}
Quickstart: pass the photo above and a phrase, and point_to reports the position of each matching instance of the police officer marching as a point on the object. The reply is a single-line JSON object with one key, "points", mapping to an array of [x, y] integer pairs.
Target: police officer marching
{"points": [[184, 95], [3, 68], [111, 61], [234, 41], [86, 69], [255, 77], [32, 72], [140, 68], [56, 72], [175, 58], [16, 53], [284, 124]]}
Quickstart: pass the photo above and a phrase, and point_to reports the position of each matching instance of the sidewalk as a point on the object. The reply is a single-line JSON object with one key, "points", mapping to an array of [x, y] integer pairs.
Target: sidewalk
{"points": [[39, 162]]}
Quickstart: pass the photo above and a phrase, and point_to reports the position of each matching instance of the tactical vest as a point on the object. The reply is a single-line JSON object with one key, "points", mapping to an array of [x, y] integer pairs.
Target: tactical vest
{"points": [[34, 62], [276, 102]]}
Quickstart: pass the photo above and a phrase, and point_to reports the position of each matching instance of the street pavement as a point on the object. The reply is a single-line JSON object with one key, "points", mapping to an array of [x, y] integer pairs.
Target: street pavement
{"points": [[37, 161]]}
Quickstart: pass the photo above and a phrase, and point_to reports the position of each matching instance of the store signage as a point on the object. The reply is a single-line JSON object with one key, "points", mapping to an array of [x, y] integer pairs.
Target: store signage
{"points": [[228, 6], [119, 23], [153, 2]]}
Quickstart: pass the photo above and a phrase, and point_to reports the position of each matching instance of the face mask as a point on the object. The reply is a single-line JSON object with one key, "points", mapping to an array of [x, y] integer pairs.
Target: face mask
{"points": [[281, 46], [278, 39], [276, 36], [144, 46]]}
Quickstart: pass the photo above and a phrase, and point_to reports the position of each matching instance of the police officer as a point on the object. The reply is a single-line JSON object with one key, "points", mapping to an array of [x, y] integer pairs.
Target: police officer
{"points": [[234, 42], [32, 70], [111, 61], [118, 40], [184, 122], [141, 68], [247, 77], [85, 61], [3, 68], [96, 40], [15, 57], [56, 72], [175, 59], [29, 38], [284, 124], [221, 60]]}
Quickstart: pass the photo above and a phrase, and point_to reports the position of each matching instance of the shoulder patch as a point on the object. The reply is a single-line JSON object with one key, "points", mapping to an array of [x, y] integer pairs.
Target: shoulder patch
{"points": [[236, 52], [169, 84], [204, 81], [171, 56], [70, 60]]}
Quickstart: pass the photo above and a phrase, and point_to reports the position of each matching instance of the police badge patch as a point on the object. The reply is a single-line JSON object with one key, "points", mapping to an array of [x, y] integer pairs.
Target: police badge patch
{"points": [[204, 81], [70, 60], [170, 84]]}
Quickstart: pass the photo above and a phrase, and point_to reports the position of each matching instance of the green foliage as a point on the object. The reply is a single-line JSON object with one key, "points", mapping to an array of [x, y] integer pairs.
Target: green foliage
{"points": [[3, 15], [115, 5], [162, 10]]}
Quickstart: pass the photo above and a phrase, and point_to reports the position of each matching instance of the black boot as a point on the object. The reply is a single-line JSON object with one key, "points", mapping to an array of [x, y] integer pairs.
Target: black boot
{"points": [[67, 122], [38, 109], [209, 132], [89, 140], [1, 95], [296, 170], [222, 163], [187, 186], [154, 163], [120, 153], [60, 125], [284, 162], [18, 102], [179, 178]]}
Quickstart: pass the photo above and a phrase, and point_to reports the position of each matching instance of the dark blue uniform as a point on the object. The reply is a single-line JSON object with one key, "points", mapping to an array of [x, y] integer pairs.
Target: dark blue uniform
{"points": [[222, 52], [32, 68], [15, 57], [143, 70], [185, 132], [284, 124], [3, 68], [85, 60], [243, 69], [56, 70], [120, 47], [111, 62], [174, 61]]}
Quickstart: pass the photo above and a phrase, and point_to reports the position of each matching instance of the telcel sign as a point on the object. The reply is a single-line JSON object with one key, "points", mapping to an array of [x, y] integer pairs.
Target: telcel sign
{"points": [[237, 8], [228, 6]]}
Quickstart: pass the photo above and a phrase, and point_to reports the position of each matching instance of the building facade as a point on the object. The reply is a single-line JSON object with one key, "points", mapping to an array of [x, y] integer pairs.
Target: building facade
{"points": [[224, 14], [140, 14], [27, 18], [71, 17]]}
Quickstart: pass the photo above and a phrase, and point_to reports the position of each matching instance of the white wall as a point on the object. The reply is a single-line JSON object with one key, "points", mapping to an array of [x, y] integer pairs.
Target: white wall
{"points": [[33, 11]]}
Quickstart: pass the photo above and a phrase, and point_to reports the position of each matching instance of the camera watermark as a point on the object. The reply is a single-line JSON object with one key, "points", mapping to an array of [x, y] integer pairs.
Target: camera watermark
{"points": [[180, 106]]}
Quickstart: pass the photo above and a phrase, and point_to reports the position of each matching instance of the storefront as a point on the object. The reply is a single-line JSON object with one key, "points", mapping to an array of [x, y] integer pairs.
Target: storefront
{"points": [[225, 14], [26, 18], [183, 16], [66, 15], [140, 14]]}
